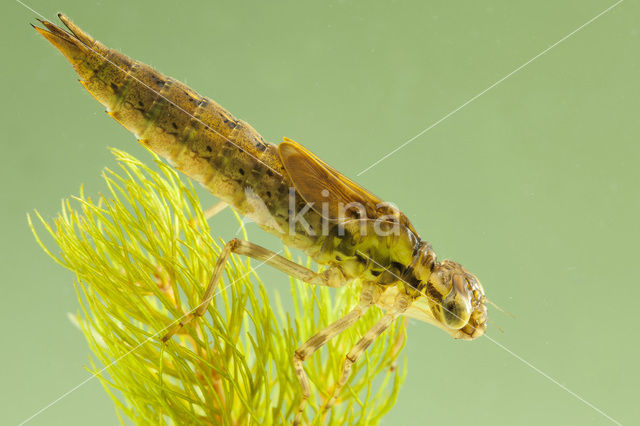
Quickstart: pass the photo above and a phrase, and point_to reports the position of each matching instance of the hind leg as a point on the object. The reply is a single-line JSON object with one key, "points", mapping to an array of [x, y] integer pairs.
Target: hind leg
{"points": [[215, 209], [331, 277]]}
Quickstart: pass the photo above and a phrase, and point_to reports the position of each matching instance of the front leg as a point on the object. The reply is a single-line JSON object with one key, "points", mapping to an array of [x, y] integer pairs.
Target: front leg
{"points": [[368, 297], [331, 277], [400, 305]]}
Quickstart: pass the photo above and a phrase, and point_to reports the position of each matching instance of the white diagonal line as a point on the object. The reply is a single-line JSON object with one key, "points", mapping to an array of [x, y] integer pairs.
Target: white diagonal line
{"points": [[31, 9], [551, 379], [422, 132], [153, 336], [518, 357]]}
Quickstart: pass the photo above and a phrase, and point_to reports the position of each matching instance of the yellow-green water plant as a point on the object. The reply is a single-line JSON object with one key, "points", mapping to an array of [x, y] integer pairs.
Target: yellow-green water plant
{"points": [[142, 254]]}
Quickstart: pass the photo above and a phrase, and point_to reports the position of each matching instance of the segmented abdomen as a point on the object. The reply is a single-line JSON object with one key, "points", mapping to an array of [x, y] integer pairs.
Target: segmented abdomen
{"points": [[199, 137], [194, 133]]}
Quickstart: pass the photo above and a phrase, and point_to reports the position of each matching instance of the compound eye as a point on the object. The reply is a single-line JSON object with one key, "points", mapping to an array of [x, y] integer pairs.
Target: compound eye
{"points": [[456, 306], [460, 284]]}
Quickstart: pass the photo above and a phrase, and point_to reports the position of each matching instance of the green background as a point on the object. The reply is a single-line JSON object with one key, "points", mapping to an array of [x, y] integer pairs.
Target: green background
{"points": [[534, 186]]}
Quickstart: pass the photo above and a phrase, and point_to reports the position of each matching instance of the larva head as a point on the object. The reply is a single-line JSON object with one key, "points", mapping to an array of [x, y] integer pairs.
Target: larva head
{"points": [[458, 300], [450, 297]]}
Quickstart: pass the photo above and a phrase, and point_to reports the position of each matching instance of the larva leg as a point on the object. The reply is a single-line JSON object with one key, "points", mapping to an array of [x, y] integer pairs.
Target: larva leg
{"points": [[367, 299], [215, 209], [210, 212], [400, 305], [331, 277], [398, 345]]}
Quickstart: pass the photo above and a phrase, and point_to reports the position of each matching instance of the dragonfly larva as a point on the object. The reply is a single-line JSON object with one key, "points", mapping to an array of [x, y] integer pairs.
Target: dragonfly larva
{"points": [[289, 192]]}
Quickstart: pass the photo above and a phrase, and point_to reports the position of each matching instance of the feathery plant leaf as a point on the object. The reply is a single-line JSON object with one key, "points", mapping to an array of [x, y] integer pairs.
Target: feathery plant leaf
{"points": [[142, 255]]}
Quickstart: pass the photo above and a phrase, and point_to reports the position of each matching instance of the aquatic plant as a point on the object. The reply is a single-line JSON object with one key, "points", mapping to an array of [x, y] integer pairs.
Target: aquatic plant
{"points": [[142, 254]]}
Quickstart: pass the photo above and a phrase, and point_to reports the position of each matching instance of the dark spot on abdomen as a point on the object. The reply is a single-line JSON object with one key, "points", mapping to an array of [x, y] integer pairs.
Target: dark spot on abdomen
{"points": [[230, 123], [158, 81]]}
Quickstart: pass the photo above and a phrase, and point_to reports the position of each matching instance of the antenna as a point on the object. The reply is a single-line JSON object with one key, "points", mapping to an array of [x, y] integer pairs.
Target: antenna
{"points": [[499, 308]]}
